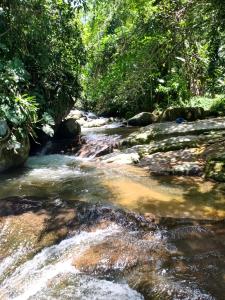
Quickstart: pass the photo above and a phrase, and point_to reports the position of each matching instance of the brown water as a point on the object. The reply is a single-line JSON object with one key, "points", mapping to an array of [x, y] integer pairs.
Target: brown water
{"points": [[189, 260]]}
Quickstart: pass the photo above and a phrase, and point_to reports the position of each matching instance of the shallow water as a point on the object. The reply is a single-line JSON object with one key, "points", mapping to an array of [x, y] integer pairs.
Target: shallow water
{"points": [[36, 264], [67, 177]]}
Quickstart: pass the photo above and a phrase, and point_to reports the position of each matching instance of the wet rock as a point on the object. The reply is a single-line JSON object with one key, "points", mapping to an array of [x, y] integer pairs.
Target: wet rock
{"points": [[96, 146], [13, 153], [188, 113], [173, 260], [90, 216], [116, 254], [122, 158], [142, 119], [68, 129], [91, 115], [94, 150], [89, 123]]}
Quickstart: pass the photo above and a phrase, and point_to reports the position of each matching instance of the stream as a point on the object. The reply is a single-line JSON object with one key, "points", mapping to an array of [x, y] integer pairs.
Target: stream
{"points": [[74, 227]]}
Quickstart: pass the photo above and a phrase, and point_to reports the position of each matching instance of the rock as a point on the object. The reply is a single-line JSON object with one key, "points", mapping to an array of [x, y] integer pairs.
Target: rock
{"points": [[169, 129], [116, 254], [93, 122], [178, 142], [4, 129], [182, 162], [68, 129], [75, 114], [13, 153], [94, 150], [122, 158], [188, 113], [215, 168], [142, 119], [92, 147], [91, 115]]}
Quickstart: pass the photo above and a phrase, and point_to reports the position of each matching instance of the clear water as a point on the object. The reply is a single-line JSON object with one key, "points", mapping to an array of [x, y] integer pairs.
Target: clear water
{"points": [[31, 268]]}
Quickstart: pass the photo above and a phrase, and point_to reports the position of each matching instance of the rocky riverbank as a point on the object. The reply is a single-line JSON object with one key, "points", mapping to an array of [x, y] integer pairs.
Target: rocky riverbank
{"points": [[190, 148]]}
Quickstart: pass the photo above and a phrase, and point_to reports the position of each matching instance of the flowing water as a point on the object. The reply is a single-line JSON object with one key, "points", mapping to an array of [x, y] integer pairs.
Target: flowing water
{"points": [[64, 235]]}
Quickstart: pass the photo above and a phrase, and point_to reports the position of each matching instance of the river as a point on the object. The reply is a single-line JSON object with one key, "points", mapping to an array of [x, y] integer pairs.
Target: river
{"points": [[44, 254]]}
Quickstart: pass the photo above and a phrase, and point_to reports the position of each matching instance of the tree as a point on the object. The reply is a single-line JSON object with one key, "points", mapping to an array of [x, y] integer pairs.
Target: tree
{"points": [[41, 41], [144, 54]]}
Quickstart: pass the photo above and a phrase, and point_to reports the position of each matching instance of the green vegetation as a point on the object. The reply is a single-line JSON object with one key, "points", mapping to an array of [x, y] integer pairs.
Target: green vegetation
{"points": [[147, 54], [215, 105], [117, 57], [41, 54]]}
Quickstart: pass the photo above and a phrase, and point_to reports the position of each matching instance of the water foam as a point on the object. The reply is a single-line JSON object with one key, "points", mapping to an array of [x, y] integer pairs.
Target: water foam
{"points": [[33, 276]]}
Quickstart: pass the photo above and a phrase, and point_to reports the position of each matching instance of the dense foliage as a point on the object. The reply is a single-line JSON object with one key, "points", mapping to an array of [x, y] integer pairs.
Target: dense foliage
{"points": [[144, 54], [41, 54], [139, 54]]}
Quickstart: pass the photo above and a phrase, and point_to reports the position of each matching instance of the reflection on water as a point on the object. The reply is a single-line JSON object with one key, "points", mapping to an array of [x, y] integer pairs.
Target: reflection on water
{"points": [[72, 178], [169, 196]]}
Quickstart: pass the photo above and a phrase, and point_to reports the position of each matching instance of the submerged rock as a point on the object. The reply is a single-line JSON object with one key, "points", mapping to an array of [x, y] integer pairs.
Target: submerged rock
{"points": [[117, 254], [142, 119]]}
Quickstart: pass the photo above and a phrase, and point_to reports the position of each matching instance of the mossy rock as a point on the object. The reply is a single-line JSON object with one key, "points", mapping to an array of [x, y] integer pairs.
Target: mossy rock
{"points": [[142, 119], [68, 129], [188, 113], [215, 168], [12, 157]]}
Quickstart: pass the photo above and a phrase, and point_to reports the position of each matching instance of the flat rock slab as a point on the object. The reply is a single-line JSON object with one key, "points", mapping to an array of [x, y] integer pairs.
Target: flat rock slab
{"points": [[181, 162], [168, 129], [179, 142]]}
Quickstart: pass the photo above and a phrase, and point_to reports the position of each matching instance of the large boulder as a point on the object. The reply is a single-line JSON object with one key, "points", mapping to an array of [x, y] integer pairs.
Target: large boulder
{"points": [[142, 119], [188, 113], [68, 129], [160, 131], [14, 151]]}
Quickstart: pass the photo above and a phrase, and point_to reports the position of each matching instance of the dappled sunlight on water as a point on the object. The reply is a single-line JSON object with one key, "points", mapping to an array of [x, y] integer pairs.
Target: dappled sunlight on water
{"points": [[63, 236], [65, 177], [177, 197]]}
